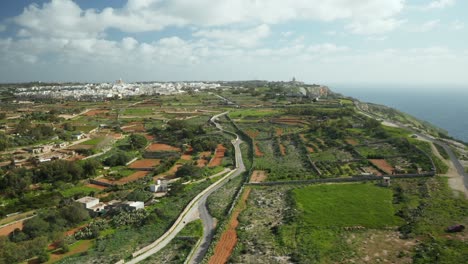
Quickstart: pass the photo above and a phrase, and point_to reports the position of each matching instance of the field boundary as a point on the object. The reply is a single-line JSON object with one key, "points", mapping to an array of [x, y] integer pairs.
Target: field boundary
{"points": [[354, 179]]}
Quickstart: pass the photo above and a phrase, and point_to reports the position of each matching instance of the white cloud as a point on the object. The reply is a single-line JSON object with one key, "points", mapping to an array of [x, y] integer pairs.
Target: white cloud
{"points": [[64, 18], [2, 28], [374, 27], [457, 25], [326, 48], [438, 4], [242, 38], [426, 26]]}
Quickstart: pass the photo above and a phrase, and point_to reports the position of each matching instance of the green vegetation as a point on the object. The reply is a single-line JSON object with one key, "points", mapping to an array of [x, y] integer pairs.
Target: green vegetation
{"points": [[442, 151], [345, 205]]}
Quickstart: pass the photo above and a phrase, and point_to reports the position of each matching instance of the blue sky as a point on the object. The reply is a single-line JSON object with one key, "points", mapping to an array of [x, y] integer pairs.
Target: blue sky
{"points": [[321, 41]]}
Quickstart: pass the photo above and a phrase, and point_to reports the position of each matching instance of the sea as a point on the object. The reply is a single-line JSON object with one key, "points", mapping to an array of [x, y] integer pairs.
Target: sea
{"points": [[443, 106]]}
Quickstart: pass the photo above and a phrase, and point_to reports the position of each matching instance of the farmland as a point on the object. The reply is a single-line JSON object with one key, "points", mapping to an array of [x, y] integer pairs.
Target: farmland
{"points": [[118, 148]]}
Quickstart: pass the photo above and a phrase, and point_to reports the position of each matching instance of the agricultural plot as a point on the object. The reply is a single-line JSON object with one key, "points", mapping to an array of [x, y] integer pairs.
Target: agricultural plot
{"points": [[333, 155], [155, 147], [378, 150], [144, 164], [282, 167], [346, 205]]}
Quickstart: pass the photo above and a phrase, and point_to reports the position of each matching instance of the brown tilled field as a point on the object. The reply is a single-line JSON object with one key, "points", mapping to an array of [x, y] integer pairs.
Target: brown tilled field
{"points": [[258, 152], [383, 165], [96, 112], [161, 147], [218, 156], [202, 161], [145, 163], [258, 176], [228, 240]]}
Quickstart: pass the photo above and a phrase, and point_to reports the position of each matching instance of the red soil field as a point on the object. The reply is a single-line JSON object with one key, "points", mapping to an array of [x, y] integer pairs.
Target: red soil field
{"points": [[149, 137], [5, 231], [188, 154], [138, 127], [161, 147], [252, 133], [202, 161], [228, 239], [383, 165], [218, 156], [258, 153], [145, 163], [258, 176]]}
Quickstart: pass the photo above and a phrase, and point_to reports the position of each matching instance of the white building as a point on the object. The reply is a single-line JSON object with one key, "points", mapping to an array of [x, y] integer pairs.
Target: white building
{"points": [[160, 186], [134, 205], [88, 202]]}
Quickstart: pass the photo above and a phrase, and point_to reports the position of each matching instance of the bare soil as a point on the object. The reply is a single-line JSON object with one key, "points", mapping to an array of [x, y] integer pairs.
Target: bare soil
{"points": [[258, 176], [161, 147], [383, 165], [145, 163], [218, 156], [228, 240]]}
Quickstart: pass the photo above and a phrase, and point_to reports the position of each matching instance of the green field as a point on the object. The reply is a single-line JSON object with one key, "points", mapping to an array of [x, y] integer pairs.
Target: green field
{"points": [[252, 113], [345, 205], [81, 190], [138, 111], [93, 141]]}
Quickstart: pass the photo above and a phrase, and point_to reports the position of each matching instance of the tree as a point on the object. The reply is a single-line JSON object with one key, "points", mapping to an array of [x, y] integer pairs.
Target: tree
{"points": [[137, 141], [189, 171], [36, 227], [74, 213]]}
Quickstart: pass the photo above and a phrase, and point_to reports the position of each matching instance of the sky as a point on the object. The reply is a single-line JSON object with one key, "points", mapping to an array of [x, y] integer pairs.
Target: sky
{"points": [[416, 42]]}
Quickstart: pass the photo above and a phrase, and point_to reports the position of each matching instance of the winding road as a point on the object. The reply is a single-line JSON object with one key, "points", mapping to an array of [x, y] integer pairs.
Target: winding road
{"points": [[460, 170], [196, 209]]}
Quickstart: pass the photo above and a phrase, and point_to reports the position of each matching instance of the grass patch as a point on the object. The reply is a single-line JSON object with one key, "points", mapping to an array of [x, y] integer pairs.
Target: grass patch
{"points": [[78, 190], [343, 205], [93, 141]]}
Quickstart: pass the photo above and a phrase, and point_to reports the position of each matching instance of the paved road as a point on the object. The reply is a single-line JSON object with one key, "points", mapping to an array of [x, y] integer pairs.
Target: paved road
{"points": [[201, 248], [196, 209], [453, 158]]}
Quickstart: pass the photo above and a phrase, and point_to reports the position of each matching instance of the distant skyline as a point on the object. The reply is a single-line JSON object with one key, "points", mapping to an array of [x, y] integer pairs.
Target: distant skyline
{"points": [[414, 42]]}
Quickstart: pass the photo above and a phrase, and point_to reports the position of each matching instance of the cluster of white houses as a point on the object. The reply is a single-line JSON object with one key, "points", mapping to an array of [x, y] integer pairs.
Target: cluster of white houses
{"points": [[95, 207], [118, 89]]}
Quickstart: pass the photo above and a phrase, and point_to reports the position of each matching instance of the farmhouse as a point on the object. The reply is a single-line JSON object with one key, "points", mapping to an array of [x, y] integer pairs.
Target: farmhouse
{"points": [[88, 202], [133, 206], [160, 186]]}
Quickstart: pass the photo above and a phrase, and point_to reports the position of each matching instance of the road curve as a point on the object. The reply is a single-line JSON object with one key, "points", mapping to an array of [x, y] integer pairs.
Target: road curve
{"points": [[196, 209], [199, 252], [453, 158]]}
